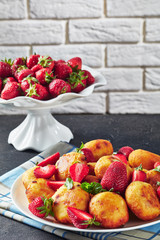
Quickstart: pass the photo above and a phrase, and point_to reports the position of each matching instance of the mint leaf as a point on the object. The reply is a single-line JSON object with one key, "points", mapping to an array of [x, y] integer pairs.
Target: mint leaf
{"points": [[69, 183], [92, 187]]}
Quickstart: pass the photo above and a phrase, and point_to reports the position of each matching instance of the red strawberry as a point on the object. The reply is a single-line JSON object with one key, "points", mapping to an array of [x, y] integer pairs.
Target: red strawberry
{"points": [[158, 189], [62, 71], [24, 73], [121, 157], [77, 81], [115, 177], [11, 90], [36, 68], [81, 219], [17, 63], [37, 91], [5, 70], [55, 184], [156, 164], [58, 86], [78, 171], [45, 172], [1, 84], [44, 75], [126, 150], [90, 79], [32, 60], [9, 79], [139, 174], [75, 63], [27, 83], [87, 152], [18, 69], [41, 207], [50, 160], [46, 62]]}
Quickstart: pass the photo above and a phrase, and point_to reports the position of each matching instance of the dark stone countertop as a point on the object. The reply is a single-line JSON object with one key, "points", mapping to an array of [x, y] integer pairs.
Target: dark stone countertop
{"points": [[137, 131]]}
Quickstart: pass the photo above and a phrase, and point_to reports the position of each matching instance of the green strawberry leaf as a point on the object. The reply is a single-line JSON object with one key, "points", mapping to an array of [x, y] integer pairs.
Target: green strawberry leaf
{"points": [[91, 222]]}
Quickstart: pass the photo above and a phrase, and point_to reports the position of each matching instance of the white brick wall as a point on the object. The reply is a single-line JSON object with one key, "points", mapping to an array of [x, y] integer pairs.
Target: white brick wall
{"points": [[120, 38]]}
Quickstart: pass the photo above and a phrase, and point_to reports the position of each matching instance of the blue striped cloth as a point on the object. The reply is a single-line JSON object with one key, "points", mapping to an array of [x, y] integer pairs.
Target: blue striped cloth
{"points": [[8, 209]]}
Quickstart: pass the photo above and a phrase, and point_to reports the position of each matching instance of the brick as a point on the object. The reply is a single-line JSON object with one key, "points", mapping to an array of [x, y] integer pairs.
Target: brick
{"points": [[105, 30], [133, 8], [32, 32], [141, 102], [91, 54], [14, 52], [66, 9], [13, 9], [152, 81], [152, 30], [133, 55], [121, 79], [95, 103]]}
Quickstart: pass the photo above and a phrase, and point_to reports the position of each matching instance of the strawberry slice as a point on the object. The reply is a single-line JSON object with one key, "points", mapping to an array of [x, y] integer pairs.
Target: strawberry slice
{"points": [[78, 171], [45, 172], [55, 184], [139, 174], [121, 157], [50, 160], [81, 219], [41, 207]]}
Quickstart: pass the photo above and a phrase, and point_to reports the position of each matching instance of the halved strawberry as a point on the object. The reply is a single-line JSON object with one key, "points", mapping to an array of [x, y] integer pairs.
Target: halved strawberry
{"points": [[41, 207], [121, 157], [115, 177], [45, 172], [87, 152], [78, 171], [139, 174], [32, 60], [50, 160], [126, 150], [75, 62], [55, 184], [81, 219], [156, 164]]}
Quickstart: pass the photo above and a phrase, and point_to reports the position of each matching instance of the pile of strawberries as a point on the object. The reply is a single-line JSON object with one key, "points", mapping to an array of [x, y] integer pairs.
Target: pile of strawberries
{"points": [[41, 77]]}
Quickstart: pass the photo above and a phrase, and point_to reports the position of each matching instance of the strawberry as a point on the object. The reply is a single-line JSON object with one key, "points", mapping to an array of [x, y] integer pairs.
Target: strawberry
{"points": [[18, 69], [41, 207], [120, 157], [62, 71], [87, 152], [5, 69], [46, 62], [27, 83], [1, 84], [37, 91], [156, 164], [24, 73], [32, 60], [126, 150], [115, 177], [58, 86], [81, 219], [50, 160], [139, 174], [17, 63], [78, 171], [9, 79], [158, 189], [36, 68], [75, 63], [44, 75], [45, 172], [11, 90], [90, 79], [77, 81], [55, 184]]}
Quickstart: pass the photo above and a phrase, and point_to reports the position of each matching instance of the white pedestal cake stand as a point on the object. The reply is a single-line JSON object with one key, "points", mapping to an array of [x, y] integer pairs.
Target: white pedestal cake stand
{"points": [[40, 129]]}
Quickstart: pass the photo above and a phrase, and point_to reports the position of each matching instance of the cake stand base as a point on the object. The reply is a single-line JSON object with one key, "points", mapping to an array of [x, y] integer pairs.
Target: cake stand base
{"points": [[38, 131]]}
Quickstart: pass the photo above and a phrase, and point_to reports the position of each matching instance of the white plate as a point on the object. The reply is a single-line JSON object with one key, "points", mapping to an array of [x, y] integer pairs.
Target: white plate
{"points": [[20, 200]]}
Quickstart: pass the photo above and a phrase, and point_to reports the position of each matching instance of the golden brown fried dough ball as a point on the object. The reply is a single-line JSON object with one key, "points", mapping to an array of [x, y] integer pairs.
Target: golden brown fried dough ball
{"points": [[28, 177], [91, 166], [63, 197], [64, 163], [147, 159], [153, 177], [142, 200], [90, 178], [39, 188], [99, 148], [110, 209], [104, 162]]}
